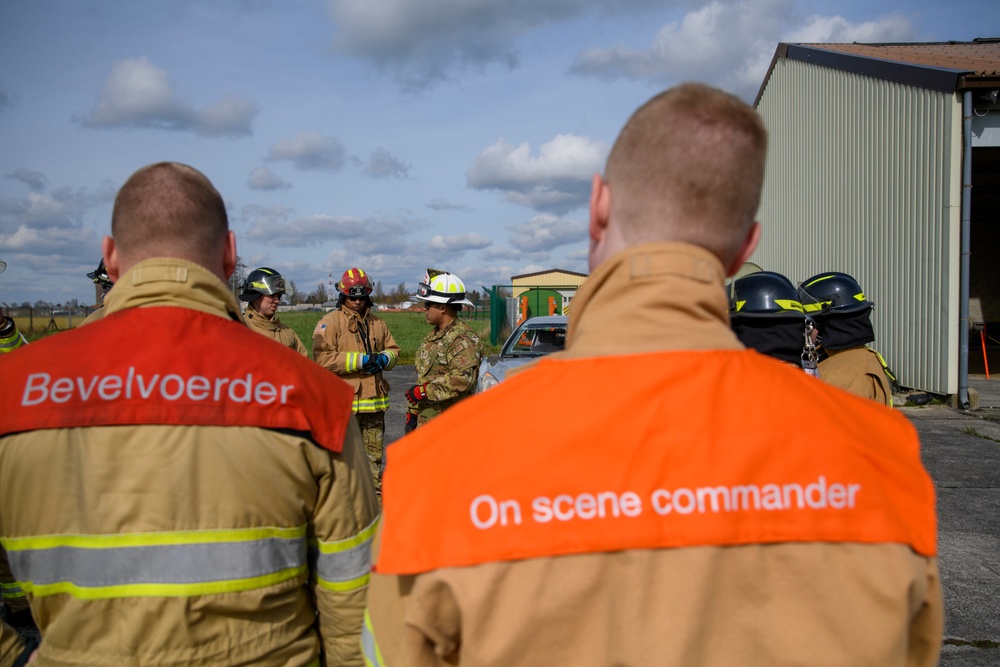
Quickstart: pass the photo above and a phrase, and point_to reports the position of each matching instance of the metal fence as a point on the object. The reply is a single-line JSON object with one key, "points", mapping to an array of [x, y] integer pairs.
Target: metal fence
{"points": [[33, 320]]}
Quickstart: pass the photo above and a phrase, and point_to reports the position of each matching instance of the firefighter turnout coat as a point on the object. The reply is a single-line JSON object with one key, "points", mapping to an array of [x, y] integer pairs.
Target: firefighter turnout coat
{"points": [[175, 490], [274, 329], [340, 340], [681, 518], [858, 371]]}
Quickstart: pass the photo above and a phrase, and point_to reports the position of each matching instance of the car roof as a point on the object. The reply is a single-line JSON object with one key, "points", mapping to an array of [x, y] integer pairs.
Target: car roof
{"points": [[545, 320]]}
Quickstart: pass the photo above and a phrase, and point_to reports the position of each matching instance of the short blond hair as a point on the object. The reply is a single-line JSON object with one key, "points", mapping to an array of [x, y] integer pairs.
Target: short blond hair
{"points": [[688, 166], [169, 209]]}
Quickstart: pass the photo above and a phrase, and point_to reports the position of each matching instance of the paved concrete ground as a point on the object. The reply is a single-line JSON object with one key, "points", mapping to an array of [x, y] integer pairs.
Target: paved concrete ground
{"points": [[961, 450]]}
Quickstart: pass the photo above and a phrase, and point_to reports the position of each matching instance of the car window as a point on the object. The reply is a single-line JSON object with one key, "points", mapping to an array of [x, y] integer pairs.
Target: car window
{"points": [[536, 342]]}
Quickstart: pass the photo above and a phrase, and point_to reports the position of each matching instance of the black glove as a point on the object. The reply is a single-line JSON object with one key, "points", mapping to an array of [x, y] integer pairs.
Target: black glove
{"points": [[411, 422], [374, 363]]}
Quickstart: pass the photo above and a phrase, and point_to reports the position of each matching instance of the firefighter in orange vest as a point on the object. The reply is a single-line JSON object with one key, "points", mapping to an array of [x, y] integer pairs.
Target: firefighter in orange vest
{"points": [[174, 488], [606, 505]]}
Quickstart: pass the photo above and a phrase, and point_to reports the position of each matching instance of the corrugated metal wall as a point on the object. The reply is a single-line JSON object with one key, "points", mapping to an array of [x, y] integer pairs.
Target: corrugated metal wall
{"points": [[864, 177]]}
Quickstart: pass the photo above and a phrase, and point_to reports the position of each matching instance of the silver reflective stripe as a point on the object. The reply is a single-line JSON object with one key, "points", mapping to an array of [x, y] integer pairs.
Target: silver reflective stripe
{"points": [[9, 591], [345, 566], [369, 645], [232, 565]]}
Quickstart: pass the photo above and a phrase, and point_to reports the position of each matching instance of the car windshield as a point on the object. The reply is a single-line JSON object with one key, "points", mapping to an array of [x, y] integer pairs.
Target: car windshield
{"points": [[535, 341]]}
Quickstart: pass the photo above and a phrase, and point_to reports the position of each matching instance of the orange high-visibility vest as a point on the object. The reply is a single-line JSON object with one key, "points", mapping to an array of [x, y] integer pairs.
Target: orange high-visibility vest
{"points": [[128, 368], [664, 450]]}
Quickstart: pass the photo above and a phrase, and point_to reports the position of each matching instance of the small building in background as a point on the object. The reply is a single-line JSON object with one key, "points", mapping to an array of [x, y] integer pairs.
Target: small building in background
{"points": [[547, 292], [884, 163]]}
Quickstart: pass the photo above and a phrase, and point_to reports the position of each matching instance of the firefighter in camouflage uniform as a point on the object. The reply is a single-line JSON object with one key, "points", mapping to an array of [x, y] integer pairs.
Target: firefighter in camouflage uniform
{"points": [[447, 362], [357, 345]]}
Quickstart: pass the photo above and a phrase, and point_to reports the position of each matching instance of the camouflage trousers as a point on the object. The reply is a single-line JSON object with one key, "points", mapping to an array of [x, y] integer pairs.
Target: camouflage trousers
{"points": [[372, 431]]}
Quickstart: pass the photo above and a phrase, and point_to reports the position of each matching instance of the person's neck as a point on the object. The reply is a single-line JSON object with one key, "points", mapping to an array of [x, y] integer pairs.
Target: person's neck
{"points": [[260, 314], [445, 322]]}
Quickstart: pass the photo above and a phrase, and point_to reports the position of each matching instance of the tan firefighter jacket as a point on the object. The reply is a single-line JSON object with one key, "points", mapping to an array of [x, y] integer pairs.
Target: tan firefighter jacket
{"points": [[274, 329], [340, 341], [654, 506], [174, 490]]}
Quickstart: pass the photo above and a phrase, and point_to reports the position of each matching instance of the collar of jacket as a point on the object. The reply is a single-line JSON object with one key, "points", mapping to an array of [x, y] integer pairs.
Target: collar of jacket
{"points": [[439, 333], [260, 321], [167, 281], [650, 297]]}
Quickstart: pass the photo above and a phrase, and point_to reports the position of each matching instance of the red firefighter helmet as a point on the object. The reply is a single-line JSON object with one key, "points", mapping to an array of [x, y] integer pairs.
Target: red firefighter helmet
{"points": [[354, 282]]}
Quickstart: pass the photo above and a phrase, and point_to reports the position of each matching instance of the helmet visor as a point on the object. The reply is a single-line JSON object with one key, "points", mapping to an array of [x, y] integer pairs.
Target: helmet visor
{"points": [[357, 290], [270, 285]]}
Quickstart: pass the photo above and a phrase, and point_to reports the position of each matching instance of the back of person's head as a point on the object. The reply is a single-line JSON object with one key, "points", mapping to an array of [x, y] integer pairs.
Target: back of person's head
{"points": [[169, 210], [688, 166]]}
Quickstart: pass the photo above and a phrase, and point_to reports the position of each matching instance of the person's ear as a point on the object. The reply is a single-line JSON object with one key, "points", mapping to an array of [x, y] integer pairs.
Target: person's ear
{"points": [[747, 246], [600, 208], [600, 220], [229, 254], [110, 252]]}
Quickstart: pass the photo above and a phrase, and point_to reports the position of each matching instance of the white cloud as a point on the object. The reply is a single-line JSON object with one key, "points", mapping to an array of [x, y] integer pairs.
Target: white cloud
{"points": [[272, 225], [558, 180], [35, 180], [730, 44], [263, 178], [139, 94], [309, 151], [458, 243], [503, 253], [545, 232], [424, 42], [837, 29], [383, 164], [48, 243]]}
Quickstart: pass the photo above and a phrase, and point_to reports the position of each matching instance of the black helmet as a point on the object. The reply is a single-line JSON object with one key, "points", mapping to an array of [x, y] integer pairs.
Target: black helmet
{"points": [[764, 294], [262, 281], [100, 276], [833, 291]]}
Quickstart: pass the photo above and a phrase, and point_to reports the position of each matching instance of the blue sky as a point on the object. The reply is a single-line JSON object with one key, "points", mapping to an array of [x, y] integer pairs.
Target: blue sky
{"points": [[394, 135]]}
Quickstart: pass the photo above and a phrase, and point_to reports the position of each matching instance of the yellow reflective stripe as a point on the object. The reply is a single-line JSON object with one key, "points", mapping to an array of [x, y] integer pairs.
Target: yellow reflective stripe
{"points": [[150, 539], [11, 591], [335, 546], [352, 362], [810, 307], [344, 586], [380, 404], [166, 590], [369, 644], [789, 304]]}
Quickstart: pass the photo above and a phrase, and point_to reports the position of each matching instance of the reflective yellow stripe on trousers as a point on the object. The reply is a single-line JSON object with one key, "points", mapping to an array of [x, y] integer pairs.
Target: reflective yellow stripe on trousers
{"points": [[369, 645], [168, 564]]}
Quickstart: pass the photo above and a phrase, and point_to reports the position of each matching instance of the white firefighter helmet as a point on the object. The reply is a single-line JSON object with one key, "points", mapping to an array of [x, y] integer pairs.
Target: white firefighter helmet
{"points": [[442, 287]]}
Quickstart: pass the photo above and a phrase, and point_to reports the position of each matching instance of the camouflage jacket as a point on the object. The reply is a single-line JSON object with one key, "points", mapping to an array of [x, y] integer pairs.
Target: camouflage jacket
{"points": [[448, 363]]}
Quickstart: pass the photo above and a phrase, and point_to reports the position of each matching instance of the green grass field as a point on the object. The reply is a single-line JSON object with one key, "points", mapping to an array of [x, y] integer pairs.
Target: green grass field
{"points": [[408, 328]]}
